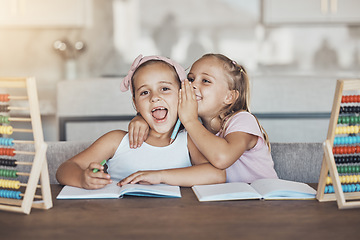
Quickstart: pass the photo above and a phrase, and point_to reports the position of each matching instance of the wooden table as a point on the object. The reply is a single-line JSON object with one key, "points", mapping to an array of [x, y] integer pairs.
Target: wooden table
{"points": [[182, 218]]}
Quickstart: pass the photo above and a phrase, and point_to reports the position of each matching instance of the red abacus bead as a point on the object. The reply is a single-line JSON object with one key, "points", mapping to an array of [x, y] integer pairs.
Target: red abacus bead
{"points": [[4, 97], [341, 150], [352, 149], [350, 98], [357, 149], [357, 98]]}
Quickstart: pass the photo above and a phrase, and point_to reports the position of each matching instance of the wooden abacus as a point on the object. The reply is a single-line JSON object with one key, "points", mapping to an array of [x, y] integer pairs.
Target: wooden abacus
{"points": [[18, 201], [340, 171]]}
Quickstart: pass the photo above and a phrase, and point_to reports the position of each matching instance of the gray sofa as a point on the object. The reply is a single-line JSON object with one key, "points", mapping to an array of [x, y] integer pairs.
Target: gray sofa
{"points": [[293, 161]]}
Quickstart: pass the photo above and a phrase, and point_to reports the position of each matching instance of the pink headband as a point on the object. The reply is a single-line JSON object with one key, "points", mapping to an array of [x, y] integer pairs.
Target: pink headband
{"points": [[126, 82]]}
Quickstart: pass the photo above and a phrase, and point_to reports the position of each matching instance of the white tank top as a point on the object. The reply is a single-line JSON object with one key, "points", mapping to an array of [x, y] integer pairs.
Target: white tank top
{"points": [[127, 161]]}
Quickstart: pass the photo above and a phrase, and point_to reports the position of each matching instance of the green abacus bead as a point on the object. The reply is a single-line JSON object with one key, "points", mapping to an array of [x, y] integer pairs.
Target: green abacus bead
{"points": [[357, 168], [351, 119], [339, 120], [339, 168]]}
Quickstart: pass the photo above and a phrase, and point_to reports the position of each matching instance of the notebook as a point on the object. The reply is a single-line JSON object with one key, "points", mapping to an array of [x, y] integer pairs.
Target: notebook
{"points": [[268, 189], [114, 191]]}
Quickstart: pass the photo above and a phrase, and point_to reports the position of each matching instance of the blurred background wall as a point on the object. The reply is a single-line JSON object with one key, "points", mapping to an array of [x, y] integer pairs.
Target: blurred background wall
{"points": [[293, 50]]}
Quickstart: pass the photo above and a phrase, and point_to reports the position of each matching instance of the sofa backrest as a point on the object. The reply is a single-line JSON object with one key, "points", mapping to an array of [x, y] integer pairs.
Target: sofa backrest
{"points": [[293, 161]]}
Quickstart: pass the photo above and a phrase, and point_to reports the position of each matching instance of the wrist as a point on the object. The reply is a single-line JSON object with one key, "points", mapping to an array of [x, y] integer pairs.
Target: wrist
{"points": [[162, 176]]}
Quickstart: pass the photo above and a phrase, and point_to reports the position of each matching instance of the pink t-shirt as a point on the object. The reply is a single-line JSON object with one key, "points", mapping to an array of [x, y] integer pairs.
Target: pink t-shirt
{"points": [[255, 163]]}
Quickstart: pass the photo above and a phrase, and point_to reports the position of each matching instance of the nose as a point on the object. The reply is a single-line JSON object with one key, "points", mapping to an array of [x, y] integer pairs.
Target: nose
{"points": [[155, 98], [193, 84]]}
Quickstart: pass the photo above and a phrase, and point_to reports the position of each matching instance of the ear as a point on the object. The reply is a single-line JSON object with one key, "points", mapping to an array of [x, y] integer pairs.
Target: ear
{"points": [[134, 104], [231, 97]]}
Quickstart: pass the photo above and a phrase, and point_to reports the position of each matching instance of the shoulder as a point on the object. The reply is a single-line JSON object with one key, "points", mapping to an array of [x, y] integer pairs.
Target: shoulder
{"points": [[243, 122], [111, 139]]}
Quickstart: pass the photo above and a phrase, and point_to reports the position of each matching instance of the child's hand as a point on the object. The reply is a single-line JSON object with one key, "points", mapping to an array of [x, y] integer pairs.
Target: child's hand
{"points": [[188, 107], [91, 180], [138, 131], [142, 177]]}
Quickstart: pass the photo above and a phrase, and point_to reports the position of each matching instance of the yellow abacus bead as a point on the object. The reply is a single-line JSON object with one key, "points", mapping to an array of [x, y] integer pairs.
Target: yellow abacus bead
{"points": [[337, 131], [6, 130], [9, 184], [341, 130], [342, 179], [328, 180], [347, 179], [344, 130], [357, 129], [348, 130], [351, 178], [352, 129]]}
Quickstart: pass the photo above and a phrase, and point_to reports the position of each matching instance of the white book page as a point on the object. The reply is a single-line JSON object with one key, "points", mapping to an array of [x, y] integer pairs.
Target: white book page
{"points": [[225, 191], [151, 190], [278, 188], [109, 191]]}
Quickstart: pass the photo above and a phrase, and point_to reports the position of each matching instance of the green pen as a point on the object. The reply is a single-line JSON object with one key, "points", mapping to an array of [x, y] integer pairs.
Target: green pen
{"points": [[102, 164]]}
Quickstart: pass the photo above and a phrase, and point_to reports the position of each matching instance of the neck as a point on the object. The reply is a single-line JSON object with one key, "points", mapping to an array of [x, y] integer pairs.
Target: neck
{"points": [[212, 124], [158, 139]]}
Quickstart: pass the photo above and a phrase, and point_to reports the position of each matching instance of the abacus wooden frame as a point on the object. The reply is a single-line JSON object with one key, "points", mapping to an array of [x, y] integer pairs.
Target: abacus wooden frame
{"points": [[39, 169], [328, 162]]}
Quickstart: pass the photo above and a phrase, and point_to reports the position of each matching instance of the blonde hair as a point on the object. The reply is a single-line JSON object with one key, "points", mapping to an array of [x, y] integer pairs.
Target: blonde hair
{"points": [[237, 80]]}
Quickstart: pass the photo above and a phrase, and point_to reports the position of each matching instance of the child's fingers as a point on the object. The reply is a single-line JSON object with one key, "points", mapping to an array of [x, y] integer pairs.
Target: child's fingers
{"points": [[95, 165], [127, 180], [189, 91], [131, 136], [192, 92]]}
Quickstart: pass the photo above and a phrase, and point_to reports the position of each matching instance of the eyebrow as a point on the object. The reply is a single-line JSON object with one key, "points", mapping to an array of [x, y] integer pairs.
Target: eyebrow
{"points": [[207, 74], [161, 82]]}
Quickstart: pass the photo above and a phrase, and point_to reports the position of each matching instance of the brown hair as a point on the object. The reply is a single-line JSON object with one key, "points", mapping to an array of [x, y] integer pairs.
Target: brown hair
{"points": [[237, 80], [176, 76]]}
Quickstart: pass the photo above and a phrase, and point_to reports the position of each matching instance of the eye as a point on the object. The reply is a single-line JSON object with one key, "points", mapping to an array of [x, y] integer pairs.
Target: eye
{"points": [[143, 93], [165, 89], [206, 81], [190, 79]]}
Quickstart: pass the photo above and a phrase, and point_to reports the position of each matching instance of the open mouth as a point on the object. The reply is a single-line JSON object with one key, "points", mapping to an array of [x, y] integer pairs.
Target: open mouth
{"points": [[198, 98], [159, 113]]}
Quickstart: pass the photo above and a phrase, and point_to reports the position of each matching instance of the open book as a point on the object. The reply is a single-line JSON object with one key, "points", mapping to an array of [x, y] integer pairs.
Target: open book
{"points": [[114, 191], [274, 189]]}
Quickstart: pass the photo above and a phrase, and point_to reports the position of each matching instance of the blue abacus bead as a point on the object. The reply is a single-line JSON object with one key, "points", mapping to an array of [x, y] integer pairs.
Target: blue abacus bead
{"points": [[326, 189], [357, 187], [17, 195]]}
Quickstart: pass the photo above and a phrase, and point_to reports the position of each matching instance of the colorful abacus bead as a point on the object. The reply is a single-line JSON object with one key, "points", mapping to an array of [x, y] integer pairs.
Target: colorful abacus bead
{"points": [[4, 119], [7, 151], [6, 130], [350, 98], [10, 194], [4, 108], [8, 173], [8, 162], [7, 141], [4, 97], [329, 189], [9, 184]]}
